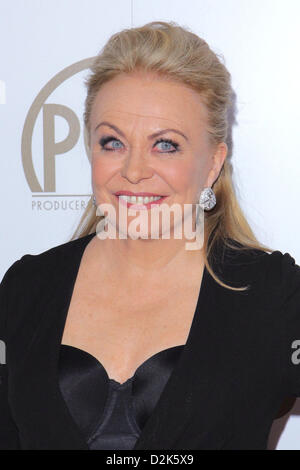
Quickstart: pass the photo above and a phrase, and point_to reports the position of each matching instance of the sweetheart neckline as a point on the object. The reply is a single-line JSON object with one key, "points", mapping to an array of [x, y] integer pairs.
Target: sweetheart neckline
{"points": [[62, 309], [112, 381]]}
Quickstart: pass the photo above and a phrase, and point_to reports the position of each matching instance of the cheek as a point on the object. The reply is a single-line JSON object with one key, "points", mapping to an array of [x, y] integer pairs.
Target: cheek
{"points": [[197, 172], [102, 169], [184, 176]]}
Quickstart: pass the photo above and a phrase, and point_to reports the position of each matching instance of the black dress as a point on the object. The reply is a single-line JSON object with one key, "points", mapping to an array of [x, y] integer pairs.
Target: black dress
{"points": [[240, 361], [109, 414]]}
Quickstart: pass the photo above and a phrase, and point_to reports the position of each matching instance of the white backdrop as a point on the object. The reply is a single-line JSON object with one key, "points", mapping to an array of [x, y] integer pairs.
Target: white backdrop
{"points": [[45, 49]]}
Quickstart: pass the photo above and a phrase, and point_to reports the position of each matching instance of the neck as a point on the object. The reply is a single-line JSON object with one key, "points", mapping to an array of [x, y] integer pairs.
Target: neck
{"points": [[145, 257]]}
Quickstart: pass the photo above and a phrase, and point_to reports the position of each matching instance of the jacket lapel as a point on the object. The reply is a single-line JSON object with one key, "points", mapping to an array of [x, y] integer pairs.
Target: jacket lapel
{"points": [[38, 378], [190, 407]]}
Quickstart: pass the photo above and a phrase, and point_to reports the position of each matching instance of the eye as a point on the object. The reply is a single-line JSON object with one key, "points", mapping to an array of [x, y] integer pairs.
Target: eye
{"points": [[105, 140], [167, 143]]}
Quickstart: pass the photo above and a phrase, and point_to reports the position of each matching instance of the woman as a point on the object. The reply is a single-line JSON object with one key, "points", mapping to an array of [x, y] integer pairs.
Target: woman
{"points": [[135, 342]]}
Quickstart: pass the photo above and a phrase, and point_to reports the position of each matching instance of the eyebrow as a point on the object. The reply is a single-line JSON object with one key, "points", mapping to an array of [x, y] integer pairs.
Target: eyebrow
{"points": [[156, 134]]}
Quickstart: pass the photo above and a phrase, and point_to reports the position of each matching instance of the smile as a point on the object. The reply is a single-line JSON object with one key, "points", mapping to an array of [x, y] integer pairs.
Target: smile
{"points": [[140, 202]]}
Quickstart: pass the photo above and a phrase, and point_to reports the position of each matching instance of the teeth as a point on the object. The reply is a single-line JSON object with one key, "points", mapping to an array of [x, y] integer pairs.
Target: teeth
{"points": [[139, 199]]}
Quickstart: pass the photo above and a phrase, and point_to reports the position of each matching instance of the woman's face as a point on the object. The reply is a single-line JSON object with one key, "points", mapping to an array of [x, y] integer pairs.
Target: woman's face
{"points": [[126, 156]]}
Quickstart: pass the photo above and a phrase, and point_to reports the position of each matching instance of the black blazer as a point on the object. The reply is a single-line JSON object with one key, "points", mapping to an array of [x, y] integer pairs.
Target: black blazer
{"points": [[226, 389]]}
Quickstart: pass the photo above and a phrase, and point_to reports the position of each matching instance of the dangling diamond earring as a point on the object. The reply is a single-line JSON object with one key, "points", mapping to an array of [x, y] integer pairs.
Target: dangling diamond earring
{"points": [[94, 201], [207, 199]]}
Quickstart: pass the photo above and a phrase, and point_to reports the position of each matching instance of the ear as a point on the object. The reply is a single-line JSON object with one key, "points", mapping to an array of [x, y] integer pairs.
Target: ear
{"points": [[217, 161]]}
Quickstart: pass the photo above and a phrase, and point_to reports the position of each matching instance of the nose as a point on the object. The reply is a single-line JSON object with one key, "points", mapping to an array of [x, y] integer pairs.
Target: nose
{"points": [[135, 167]]}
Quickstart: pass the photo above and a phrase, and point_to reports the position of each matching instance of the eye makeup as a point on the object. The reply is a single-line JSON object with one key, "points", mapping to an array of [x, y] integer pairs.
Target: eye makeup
{"points": [[106, 139]]}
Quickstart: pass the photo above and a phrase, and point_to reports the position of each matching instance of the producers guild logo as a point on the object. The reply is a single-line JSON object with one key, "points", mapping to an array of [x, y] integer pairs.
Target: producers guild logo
{"points": [[45, 197]]}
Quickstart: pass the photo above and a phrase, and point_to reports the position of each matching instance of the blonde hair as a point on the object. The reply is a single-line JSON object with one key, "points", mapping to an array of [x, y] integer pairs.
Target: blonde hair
{"points": [[176, 53]]}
